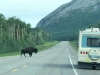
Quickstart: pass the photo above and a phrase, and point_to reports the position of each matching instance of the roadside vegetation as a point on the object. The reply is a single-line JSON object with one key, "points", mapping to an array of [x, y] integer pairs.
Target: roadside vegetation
{"points": [[16, 34], [73, 44], [44, 46]]}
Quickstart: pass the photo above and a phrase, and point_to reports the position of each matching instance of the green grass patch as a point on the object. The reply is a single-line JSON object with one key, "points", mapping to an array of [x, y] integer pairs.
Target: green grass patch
{"points": [[45, 46], [73, 44], [9, 54]]}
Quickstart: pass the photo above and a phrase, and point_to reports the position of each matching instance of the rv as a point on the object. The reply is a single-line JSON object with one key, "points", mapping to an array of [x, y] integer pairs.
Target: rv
{"points": [[89, 48]]}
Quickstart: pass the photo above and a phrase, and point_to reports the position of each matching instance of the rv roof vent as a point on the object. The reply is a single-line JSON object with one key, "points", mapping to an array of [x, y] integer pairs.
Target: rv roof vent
{"points": [[92, 30]]}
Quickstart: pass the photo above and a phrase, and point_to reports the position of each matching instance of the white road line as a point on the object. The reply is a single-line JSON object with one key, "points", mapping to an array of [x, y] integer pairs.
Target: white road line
{"points": [[71, 62], [7, 58]]}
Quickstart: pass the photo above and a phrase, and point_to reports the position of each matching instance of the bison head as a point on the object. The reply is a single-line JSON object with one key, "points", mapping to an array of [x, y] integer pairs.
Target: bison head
{"points": [[36, 50]]}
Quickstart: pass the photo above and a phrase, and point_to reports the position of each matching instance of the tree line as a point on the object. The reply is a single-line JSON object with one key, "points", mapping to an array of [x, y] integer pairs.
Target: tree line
{"points": [[16, 34], [97, 25]]}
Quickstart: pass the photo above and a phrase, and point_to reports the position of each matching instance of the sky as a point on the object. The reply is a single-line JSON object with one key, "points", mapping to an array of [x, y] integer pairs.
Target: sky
{"points": [[29, 11]]}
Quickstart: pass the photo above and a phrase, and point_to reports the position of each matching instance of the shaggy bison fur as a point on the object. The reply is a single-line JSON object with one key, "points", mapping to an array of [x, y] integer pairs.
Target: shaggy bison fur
{"points": [[29, 50]]}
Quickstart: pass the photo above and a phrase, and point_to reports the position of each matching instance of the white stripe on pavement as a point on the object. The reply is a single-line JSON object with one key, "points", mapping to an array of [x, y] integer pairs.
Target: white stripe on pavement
{"points": [[71, 61]]}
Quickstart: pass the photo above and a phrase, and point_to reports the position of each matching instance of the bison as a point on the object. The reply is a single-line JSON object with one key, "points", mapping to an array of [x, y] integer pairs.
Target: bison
{"points": [[29, 50]]}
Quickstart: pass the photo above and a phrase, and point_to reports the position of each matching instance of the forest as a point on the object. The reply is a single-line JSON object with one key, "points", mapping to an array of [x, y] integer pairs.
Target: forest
{"points": [[67, 27], [16, 34]]}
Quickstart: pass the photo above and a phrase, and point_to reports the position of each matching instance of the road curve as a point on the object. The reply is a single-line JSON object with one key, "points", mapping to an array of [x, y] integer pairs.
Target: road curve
{"points": [[57, 60]]}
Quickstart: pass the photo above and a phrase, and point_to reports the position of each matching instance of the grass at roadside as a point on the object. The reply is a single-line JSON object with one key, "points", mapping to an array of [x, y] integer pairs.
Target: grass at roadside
{"points": [[9, 54], [73, 44], [46, 45]]}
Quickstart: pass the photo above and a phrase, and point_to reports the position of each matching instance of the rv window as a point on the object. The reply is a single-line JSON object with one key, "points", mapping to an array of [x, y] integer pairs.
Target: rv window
{"points": [[93, 42]]}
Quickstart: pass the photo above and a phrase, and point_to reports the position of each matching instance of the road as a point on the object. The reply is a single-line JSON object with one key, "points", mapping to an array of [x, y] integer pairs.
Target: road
{"points": [[58, 60]]}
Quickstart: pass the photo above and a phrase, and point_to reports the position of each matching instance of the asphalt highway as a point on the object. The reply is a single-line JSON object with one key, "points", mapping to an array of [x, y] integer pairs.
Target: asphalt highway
{"points": [[60, 59]]}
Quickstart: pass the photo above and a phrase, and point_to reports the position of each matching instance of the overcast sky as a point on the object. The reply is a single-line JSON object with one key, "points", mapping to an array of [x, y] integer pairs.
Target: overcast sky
{"points": [[30, 11]]}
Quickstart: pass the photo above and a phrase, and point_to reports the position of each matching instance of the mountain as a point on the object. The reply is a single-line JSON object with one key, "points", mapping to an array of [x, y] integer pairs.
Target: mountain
{"points": [[65, 22]]}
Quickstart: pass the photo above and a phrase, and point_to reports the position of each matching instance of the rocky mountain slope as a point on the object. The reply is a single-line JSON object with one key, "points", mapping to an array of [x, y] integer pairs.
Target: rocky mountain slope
{"points": [[65, 22]]}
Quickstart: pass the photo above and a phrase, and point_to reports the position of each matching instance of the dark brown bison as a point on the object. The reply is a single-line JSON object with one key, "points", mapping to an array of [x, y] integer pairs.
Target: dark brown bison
{"points": [[29, 50]]}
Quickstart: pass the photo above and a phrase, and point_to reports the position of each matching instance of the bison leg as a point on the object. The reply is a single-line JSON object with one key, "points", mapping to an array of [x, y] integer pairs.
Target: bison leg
{"points": [[24, 55], [30, 54], [21, 53]]}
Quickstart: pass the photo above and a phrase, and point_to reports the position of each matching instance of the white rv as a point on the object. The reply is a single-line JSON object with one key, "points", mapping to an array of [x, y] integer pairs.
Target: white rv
{"points": [[89, 48]]}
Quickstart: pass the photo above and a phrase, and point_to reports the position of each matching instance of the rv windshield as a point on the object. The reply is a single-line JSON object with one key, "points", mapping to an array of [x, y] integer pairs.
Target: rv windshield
{"points": [[90, 41]]}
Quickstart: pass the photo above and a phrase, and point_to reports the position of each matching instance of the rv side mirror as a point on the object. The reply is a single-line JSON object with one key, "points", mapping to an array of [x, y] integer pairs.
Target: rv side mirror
{"points": [[77, 44]]}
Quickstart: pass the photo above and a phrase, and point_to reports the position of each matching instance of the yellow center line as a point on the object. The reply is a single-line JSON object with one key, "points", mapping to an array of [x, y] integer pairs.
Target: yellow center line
{"points": [[14, 70]]}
